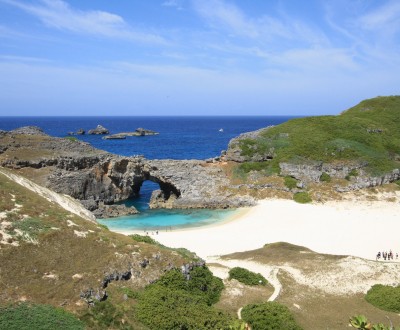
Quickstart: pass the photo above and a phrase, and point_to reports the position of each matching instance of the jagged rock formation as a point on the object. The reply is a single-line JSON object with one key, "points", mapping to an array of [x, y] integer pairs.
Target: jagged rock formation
{"points": [[234, 152], [137, 132], [100, 179], [99, 130]]}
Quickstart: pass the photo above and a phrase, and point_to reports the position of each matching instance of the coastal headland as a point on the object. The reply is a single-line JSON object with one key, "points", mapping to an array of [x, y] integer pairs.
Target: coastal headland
{"points": [[325, 194]]}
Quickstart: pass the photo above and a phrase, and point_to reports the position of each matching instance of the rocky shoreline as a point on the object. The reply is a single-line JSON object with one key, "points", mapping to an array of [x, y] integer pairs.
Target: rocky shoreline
{"points": [[100, 179]]}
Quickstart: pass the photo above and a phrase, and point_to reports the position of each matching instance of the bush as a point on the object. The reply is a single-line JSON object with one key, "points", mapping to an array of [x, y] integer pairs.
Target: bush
{"points": [[290, 182], [173, 302], [72, 138], [26, 316], [105, 315], [353, 172], [302, 197], [143, 239], [247, 277], [325, 177], [269, 315], [384, 297], [161, 308]]}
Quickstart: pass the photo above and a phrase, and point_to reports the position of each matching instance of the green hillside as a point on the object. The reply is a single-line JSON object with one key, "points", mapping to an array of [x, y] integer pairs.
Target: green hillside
{"points": [[368, 134], [50, 259]]}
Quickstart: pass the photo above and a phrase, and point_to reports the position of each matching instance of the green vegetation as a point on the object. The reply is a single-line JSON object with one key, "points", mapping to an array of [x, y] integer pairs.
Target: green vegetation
{"points": [[26, 316], [143, 239], [290, 182], [325, 177], [105, 315], [31, 226], [247, 277], [71, 138], [361, 322], [269, 315], [173, 302], [302, 197], [397, 182], [353, 172], [384, 297], [367, 133]]}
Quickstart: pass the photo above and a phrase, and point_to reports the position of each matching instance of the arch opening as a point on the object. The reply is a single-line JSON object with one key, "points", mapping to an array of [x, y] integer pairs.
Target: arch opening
{"points": [[142, 194]]}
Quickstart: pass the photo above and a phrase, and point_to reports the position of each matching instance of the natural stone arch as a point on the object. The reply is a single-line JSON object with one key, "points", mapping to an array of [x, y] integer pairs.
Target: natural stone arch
{"points": [[166, 192]]}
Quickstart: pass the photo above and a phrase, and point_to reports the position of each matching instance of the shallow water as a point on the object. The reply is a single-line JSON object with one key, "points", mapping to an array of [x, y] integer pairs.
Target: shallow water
{"points": [[152, 220]]}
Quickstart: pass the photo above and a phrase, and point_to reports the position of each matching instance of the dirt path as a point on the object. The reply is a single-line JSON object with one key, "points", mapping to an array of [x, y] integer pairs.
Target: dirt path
{"points": [[269, 272]]}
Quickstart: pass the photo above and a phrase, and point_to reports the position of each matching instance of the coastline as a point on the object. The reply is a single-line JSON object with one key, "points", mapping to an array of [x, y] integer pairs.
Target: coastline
{"points": [[342, 228]]}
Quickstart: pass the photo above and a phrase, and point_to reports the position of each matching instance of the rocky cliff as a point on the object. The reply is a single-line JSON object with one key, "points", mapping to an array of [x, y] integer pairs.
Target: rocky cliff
{"points": [[100, 179]]}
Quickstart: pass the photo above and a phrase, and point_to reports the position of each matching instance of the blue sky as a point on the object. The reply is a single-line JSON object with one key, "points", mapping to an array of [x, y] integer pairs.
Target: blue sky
{"points": [[196, 57]]}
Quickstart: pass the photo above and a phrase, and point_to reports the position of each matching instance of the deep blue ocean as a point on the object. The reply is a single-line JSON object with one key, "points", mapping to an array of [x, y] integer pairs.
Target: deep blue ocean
{"points": [[179, 138]]}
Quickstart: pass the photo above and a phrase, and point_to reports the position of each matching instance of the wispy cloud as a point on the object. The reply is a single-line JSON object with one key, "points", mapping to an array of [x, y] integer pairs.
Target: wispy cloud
{"points": [[178, 4], [228, 16], [60, 15], [388, 15]]}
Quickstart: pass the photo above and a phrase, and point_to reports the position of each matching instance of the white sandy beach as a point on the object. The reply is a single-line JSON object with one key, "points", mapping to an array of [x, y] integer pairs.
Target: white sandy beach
{"points": [[345, 228]]}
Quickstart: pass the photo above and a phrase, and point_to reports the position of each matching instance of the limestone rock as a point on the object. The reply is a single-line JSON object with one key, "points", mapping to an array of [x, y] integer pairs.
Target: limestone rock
{"points": [[99, 130], [118, 136], [28, 130], [234, 152], [113, 211]]}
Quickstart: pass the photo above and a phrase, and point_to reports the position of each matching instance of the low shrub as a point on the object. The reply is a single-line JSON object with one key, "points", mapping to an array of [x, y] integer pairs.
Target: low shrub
{"points": [[269, 315], [353, 172], [246, 276], [175, 302], [161, 308], [325, 177], [143, 239], [105, 315], [290, 182], [27, 316], [302, 197], [72, 138], [384, 297]]}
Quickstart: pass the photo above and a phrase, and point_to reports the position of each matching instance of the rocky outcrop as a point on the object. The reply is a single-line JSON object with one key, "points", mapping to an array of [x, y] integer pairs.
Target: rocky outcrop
{"points": [[142, 132], [118, 136], [361, 182], [99, 130], [235, 153], [100, 179], [137, 132], [28, 130], [311, 171], [112, 211]]}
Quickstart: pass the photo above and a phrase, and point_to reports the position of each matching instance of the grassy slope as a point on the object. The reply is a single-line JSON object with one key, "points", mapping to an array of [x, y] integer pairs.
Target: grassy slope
{"points": [[342, 138], [60, 252]]}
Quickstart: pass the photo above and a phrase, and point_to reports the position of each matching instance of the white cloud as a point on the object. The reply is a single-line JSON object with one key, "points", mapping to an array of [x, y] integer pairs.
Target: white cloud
{"points": [[228, 16], [60, 15], [178, 4], [388, 15]]}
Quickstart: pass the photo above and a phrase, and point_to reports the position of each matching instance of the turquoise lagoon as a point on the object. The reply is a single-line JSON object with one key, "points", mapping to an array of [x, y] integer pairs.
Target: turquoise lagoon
{"points": [[163, 220]]}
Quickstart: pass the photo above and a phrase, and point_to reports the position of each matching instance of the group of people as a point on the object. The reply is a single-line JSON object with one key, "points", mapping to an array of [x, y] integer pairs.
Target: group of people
{"points": [[387, 255]]}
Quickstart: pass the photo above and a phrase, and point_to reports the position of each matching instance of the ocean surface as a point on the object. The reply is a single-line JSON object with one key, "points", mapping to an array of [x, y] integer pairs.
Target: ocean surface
{"points": [[179, 138]]}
